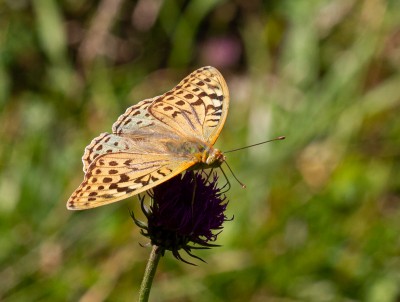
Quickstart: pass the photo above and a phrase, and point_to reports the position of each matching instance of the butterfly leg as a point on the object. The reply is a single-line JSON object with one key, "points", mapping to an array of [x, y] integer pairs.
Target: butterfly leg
{"points": [[145, 209], [227, 186], [208, 174], [194, 192]]}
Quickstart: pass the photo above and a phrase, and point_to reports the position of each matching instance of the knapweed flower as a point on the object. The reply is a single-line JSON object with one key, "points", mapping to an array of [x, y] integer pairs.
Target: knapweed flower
{"points": [[185, 210]]}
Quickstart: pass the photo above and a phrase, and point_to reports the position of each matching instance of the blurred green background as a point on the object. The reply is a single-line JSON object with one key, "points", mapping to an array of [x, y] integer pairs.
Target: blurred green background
{"points": [[320, 218]]}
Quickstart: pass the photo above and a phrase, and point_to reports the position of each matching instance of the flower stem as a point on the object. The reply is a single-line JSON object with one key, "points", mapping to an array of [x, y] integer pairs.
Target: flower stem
{"points": [[149, 274]]}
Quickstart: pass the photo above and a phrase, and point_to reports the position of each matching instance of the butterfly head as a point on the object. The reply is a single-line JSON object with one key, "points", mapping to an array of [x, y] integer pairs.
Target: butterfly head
{"points": [[213, 158]]}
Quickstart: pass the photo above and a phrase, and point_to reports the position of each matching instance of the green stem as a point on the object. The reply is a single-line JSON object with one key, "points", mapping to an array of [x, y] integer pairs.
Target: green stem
{"points": [[149, 274]]}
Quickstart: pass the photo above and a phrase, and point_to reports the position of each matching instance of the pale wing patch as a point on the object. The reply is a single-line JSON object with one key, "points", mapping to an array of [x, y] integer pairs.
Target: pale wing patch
{"points": [[104, 143], [113, 177], [135, 117]]}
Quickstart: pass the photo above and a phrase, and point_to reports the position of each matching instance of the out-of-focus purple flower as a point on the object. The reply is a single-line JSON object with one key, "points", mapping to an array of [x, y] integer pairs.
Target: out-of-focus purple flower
{"points": [[187, 209], [221, 52]]}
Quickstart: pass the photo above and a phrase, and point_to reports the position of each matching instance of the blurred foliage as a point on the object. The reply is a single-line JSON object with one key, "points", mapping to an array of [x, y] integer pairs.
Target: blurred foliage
{"points": [[320, 218]]}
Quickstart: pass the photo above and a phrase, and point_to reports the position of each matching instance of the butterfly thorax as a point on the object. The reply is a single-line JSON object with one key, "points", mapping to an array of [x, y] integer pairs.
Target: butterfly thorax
{"points": [[203, 154]]}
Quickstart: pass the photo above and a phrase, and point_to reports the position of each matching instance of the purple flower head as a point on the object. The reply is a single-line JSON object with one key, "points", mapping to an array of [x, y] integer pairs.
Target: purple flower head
{"points": [[187, 209]]}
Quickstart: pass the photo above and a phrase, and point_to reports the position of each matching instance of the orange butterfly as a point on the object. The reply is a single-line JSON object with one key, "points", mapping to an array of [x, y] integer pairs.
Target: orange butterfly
{"points": [[155, 140]]}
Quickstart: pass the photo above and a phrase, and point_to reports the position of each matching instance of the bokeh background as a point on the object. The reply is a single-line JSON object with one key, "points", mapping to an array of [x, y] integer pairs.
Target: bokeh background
{"points": [[320, 218]]}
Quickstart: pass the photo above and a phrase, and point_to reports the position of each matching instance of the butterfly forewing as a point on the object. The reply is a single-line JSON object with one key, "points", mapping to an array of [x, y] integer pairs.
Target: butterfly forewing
{"points": [[149, 141], [113, 177], [197, 106]]}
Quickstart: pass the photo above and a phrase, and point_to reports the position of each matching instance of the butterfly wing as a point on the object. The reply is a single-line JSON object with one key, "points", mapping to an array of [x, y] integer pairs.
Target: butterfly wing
{"points": [[135, 118], [115, 176], [197, 107], [105, 143]]}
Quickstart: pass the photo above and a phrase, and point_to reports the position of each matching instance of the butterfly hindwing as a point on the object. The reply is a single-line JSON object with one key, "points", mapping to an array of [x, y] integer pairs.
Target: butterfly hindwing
{"points": [[135, 118], [104, 143]]}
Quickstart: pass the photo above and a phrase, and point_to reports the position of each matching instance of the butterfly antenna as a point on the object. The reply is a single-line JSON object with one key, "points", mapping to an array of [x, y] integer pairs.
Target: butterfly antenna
{"points": [[234, 176], [271, 140]]}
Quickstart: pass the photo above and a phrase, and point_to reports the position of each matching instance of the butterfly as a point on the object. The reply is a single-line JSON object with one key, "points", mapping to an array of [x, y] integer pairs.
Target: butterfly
{"points": [[155, 140]]}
